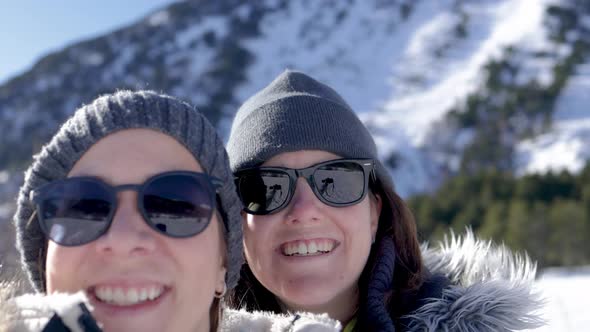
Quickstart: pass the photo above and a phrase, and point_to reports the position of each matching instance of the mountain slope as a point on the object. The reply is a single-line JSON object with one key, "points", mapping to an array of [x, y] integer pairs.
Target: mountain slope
{"points": [[445, 86]]}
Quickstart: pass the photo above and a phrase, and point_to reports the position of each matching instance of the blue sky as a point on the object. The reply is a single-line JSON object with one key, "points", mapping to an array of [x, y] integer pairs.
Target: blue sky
{"points": [[30, 29]]}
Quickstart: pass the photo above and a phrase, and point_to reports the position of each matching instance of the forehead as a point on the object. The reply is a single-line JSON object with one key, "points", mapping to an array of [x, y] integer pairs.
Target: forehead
{"points": [[301, 158], [133, 155]]}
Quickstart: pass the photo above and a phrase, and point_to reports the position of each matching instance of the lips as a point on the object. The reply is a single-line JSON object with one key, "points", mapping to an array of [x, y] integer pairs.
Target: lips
{"points": [[127, 295], [311, 247]]}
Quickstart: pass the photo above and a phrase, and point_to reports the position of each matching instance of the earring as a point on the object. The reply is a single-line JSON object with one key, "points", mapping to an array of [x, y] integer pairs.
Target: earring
{"points": [[221, 294], [373, 239]]}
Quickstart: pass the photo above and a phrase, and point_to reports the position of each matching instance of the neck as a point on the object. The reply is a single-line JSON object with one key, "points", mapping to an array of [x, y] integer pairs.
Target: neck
{"points": [[205, 324], [342, 307]]}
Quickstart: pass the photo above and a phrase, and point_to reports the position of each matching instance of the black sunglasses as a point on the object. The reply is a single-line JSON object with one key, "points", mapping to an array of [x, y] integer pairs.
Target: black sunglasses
{"points": [[338, 183], [78, 210]]}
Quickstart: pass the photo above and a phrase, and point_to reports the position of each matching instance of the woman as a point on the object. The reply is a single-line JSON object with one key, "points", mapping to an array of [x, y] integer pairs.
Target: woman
{"points": [[132, 205], [325, 232]]}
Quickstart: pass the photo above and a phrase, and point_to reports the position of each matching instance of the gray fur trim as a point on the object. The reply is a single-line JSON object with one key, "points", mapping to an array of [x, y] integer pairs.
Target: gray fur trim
{"points": [[492, 289]]}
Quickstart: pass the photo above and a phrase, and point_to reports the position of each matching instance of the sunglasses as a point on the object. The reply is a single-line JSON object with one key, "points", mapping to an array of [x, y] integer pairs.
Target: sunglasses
{"points": [[338, 183], [78, 210]]}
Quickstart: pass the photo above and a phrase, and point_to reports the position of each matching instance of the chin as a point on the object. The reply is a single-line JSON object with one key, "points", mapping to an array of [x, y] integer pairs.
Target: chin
{"points": [[308, 295], [134, 326]]}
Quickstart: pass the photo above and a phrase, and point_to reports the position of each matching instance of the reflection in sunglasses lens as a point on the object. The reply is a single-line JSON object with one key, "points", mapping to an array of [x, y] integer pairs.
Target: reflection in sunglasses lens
{"points": [[76, 212], [178, 206], [340, 183]]}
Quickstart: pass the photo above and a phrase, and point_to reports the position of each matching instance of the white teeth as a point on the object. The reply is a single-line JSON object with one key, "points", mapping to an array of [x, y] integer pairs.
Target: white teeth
{"points": [[130, 296], [312, 248], [302, 249], [143, 295], [118, 296], [133, 296], [308, 247], [154, 293]]}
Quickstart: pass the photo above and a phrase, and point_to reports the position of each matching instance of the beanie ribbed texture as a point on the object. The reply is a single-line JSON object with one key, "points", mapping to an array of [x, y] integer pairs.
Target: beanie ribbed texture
{"points": [[109, 114], [296, 112]]}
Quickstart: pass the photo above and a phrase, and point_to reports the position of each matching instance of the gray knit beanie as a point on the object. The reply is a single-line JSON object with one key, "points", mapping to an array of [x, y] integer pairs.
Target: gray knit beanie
{"points": [[295, 112], [104, 116]]}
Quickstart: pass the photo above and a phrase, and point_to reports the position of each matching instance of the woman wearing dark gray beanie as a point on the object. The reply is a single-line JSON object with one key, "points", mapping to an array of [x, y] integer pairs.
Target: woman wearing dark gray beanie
{"points": [[132, 205], [325, 232]]}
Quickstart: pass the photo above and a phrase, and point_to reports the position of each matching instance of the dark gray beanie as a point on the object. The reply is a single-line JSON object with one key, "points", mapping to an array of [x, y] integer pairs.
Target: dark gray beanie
{"points": [[295, 112], [104, 116]]}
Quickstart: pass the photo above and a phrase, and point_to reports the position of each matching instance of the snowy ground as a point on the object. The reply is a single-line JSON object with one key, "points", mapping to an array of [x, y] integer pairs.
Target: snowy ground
{"points": [[568, 300]]}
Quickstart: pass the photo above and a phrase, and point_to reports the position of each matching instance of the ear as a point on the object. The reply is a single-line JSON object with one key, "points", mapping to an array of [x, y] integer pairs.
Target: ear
{"points": [[220, 286], [375, 205]]}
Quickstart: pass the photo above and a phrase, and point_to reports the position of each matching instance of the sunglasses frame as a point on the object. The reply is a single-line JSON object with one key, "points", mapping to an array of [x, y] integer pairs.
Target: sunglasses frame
{"points": [[307, 173], [38, 195]]}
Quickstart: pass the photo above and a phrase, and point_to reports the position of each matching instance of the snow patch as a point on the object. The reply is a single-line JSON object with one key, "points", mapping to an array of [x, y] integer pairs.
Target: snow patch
{"points": [[118, 68], [492, 27], [160, 18], [215, 24], [555, 151], [243, 11], [565, 145], [92, 58]]}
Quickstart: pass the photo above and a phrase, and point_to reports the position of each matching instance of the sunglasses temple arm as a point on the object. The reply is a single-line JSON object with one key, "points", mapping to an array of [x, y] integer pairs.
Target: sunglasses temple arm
{"points": [[33, 196], [217, 183], [33, 217]]}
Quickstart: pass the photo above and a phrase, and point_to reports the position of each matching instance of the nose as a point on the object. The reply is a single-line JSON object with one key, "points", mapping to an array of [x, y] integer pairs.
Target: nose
{"points": [[128, 234], [304, 206]]}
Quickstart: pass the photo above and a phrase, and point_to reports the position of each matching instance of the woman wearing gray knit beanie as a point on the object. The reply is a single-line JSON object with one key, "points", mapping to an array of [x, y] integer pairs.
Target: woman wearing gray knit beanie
{"points": [[325, 232], [132, 206]]}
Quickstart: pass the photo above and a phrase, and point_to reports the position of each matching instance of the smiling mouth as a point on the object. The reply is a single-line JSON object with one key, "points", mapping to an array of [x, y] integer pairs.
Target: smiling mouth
{"points": [[128, 296], [313, 247]]}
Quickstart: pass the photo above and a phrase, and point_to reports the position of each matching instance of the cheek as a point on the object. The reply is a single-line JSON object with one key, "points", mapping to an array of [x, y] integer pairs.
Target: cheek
{"points": [[258, 232], [61, 267], [355, 222], [199, 270], [202, 251]]}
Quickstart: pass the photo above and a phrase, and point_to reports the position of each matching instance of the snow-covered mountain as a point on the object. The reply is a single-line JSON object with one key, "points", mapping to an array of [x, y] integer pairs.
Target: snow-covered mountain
{"points": [[445, 86]]}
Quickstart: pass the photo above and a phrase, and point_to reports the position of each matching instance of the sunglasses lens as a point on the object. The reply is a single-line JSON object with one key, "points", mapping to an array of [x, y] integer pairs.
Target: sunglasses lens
{"points": [[263, 191], [178, 205], [340, 182], [75, 212]]}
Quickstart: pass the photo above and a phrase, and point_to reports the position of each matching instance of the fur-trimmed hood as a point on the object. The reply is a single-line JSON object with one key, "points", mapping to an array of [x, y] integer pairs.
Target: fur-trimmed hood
{"points": [[491, 289], [33, 313]]}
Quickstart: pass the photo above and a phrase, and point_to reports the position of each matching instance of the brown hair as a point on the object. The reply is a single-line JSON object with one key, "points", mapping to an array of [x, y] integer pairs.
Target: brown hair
{"points": [[395, 221], [215, 314]]}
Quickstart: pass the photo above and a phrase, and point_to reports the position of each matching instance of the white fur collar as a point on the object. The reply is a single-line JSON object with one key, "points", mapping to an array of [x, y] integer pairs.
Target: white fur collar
{"points": [[241, 320], [31, 312], [492, 291]]}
